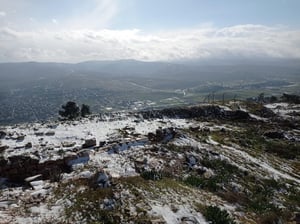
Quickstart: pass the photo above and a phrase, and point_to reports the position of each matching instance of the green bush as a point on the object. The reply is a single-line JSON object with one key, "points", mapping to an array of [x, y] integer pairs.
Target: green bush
{"points": [[70, 110], [201, 182], [217, 216], [151, 175]]}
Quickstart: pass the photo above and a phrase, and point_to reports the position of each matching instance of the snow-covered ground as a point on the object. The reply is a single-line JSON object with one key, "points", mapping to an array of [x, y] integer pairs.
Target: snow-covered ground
{"points": [[128, 148]]}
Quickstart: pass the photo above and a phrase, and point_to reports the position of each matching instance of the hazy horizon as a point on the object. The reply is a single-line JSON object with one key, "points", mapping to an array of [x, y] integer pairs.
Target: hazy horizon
{"points": [[77, 31]]}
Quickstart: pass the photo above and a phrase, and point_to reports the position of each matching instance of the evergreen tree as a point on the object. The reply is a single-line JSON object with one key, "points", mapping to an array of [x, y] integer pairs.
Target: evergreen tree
{"points": [[85, 110], [70, 110]]}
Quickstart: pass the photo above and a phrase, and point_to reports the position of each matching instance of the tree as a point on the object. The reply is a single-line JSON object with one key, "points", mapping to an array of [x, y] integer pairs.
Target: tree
{"points": [[70, 110], [85, 110], [261, 98]]}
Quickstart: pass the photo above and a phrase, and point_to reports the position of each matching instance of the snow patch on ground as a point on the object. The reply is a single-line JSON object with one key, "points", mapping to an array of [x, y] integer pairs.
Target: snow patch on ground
{"points": [[176, 217]]}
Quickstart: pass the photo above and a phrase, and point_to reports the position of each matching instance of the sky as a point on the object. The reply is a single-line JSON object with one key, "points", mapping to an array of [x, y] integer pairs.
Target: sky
{"points": [[156, 30]]}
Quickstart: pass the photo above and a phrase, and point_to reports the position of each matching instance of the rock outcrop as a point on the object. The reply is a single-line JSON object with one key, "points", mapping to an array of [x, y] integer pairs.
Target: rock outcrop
{"points": [[89, 143]]}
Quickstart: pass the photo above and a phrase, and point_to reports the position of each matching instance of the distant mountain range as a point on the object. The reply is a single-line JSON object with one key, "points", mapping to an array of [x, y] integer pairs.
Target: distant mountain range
{"points": [[218, 70], [35, 90]]}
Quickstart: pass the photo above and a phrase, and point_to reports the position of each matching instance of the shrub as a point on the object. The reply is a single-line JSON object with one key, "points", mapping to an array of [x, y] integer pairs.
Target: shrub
{"points": [[70, 110], [151, 175], [217, 216], [85, 110], [212, 184]]}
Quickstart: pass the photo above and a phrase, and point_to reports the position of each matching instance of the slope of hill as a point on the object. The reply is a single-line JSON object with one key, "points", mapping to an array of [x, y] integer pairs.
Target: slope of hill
{"points": [[165, 166]]}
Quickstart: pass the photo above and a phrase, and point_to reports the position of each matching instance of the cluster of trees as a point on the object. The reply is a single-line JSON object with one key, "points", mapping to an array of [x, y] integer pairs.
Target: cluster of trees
{"points": [[71, 110]]}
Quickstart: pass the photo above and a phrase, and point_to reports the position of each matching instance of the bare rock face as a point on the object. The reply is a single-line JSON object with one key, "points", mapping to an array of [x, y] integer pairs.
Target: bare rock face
{"points": [[17, 168], [89, 143], [237, 115]]}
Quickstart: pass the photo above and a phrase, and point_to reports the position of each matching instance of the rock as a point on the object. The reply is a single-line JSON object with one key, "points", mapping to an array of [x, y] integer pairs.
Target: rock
{"points": [[80, 157], [39, 133], [208, 173], [28, 145], [2, 134], [50, 133], [20, 138], [109, 204], [3, 148], [68, 144], [189, 220], [274, 134], [162, 135], [195, 128], [191, 161], [240, 115], [102, 143], [265, 112], [22, 159], [102, 180], [89, 143]]}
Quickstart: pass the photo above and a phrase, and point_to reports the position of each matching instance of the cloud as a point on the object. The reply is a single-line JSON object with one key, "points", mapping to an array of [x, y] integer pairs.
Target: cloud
{"points": [[54, 21], [91, 44], [73, 14], [100, 15]]}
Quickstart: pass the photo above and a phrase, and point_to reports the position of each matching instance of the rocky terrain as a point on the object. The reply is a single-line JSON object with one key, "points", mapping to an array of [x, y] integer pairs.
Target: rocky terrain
{"points": [[232, 163]]}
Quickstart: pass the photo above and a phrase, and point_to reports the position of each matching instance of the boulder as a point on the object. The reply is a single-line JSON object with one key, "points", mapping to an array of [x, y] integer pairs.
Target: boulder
{"points": [[28, 145], [20, 138], [89, 143], [50, 133], [162, 135], [102, 143], [208, 173], [189, 220], [102, 180], [3, 148], [22, 160], [2, 134], [240, 115], [191, 161], [274, 134], [38, 133], [68, 144], [80, 157]]}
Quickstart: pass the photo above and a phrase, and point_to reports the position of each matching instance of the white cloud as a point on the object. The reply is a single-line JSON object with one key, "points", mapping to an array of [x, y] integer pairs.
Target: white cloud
{"points": [[2, 14], [90, 44], [100, 16], [54, 21]]}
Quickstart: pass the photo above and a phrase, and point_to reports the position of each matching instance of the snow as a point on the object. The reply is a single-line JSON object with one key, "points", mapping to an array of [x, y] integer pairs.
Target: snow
{"points": [[274, 172], [41, 214], [37, 185], [171, 217], [115, 164], [118, 160], [283, 109]]}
